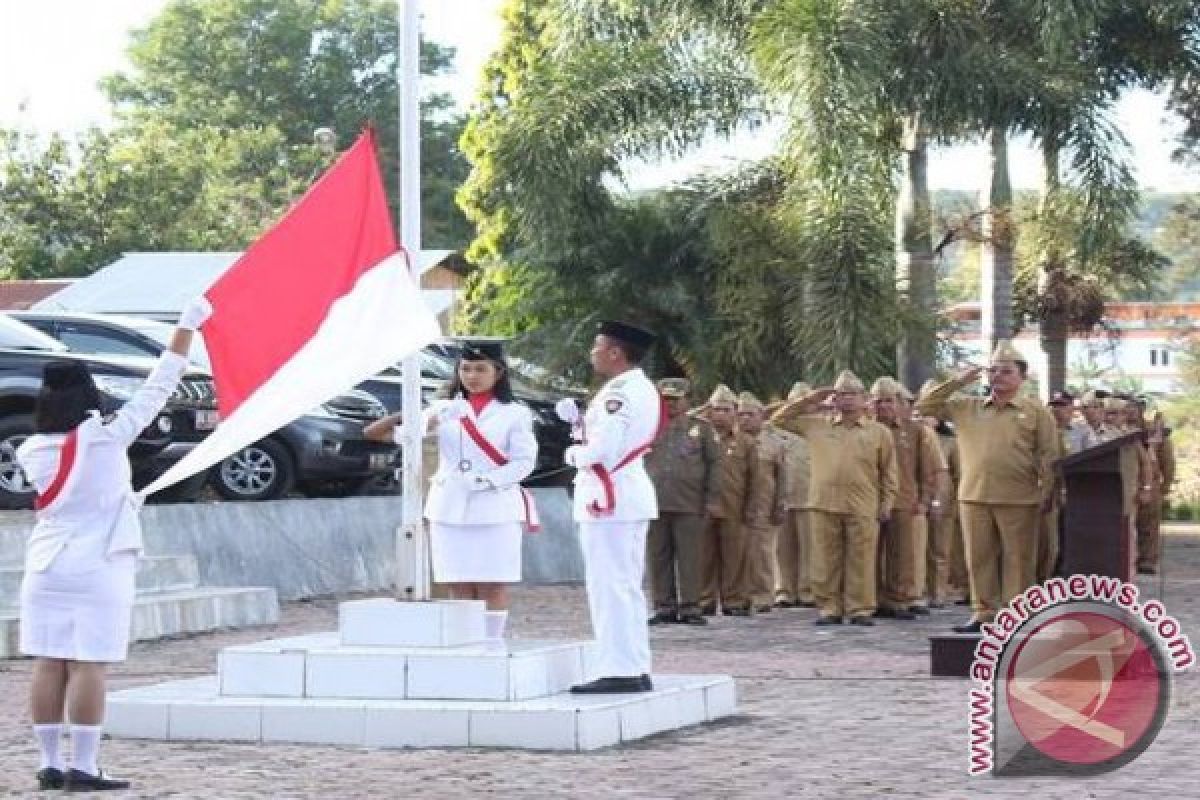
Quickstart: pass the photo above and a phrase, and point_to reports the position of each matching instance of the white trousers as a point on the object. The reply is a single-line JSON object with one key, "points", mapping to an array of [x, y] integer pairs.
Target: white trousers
{"points": [[614, 557]]}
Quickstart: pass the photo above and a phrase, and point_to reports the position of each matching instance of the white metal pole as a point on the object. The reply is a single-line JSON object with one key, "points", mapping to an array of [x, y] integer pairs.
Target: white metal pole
{"points": [[412, 561]]}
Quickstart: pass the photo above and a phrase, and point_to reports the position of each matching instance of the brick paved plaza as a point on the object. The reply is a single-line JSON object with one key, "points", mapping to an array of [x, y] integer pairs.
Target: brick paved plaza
{"points": [[823, 713]]}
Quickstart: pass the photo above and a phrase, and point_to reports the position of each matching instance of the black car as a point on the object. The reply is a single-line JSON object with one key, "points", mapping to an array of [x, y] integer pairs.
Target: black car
{"points": [[322, 453], [189, 415]]}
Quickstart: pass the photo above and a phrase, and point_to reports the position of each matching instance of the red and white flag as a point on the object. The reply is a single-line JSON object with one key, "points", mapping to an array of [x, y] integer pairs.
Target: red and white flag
{"points": [[320, 302]]}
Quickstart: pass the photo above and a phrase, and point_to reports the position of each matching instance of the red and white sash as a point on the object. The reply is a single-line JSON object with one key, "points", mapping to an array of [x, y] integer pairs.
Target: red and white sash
{"points": [[605, 475], [532, 521], [66, 463]]}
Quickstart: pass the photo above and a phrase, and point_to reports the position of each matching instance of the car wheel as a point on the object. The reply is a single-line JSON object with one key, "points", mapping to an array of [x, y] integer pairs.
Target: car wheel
{"points": [[263, 471], [15, 492]]}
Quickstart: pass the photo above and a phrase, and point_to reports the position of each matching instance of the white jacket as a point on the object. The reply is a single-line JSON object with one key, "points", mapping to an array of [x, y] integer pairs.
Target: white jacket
{"points": [[95, 514], [623, 416], [452, 499]]}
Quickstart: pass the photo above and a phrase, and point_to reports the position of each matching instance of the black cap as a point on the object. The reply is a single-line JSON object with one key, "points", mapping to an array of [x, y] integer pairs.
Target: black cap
{"points": [[624, 332], [65, 375], [483, 351], [1062, 399]]}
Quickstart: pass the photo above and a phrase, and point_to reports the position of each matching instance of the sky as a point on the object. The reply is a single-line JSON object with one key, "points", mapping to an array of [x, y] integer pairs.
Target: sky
{"points": [[53, 53]]}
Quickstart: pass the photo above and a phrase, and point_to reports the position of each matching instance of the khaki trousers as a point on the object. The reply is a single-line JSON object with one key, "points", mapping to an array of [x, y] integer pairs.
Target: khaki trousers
{"points": [[958, 550], [943, 529], [902, 542], [1047, 551], [758, 579], [1149, 532], [722, 555], [673, 561], [1001, 548], [792, 551], [843, 563]]}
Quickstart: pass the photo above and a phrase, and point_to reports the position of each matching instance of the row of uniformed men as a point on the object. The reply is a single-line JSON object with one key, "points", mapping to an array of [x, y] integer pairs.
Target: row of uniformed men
{"points": [[873, 508]]}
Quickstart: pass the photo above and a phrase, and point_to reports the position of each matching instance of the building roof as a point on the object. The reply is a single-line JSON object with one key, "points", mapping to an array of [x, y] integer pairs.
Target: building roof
{"points": [[17, 295], [160, 284]]}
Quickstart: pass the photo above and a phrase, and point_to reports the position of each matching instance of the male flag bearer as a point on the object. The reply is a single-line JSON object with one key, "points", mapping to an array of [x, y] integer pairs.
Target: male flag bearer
{"points": [[614, 503]]}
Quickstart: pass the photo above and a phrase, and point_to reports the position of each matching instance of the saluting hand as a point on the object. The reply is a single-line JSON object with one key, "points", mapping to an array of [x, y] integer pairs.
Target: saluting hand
{"points": [[567, 410], [971, 374], [454, 410]]}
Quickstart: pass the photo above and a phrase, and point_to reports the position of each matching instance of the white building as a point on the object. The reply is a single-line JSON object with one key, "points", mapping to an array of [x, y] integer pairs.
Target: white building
{"points": [[1139, 350]]}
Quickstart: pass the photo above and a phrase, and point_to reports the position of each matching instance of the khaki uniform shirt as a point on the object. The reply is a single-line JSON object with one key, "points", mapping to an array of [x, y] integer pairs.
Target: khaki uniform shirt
{"points": [[739, 468], [852, 466], [685, 466], [1007, 453], [795, 448], [764, 495], [1164, 455], [918, 462]]}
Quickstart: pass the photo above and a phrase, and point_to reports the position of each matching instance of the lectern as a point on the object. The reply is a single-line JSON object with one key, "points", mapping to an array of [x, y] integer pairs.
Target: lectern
{"points": [[1096, 538]]}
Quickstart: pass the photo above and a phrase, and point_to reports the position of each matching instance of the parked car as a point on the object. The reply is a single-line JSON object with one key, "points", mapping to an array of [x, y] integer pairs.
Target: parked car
{"points": [[322, 453], [189, 415]]}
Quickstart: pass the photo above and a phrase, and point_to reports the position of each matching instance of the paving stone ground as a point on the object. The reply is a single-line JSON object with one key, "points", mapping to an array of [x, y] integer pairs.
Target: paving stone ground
{"points": [[824, 713]]}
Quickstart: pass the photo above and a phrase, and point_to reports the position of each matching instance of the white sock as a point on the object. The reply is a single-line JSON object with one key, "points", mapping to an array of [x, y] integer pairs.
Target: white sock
{"points": [[50, 744], [496, 620], [85, 744]]}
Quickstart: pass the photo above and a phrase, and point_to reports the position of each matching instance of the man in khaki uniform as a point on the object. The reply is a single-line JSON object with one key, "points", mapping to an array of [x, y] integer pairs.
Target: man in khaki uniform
{"points": [[792, 550], [723, 550], [903, 535], [685, 467], [852, 487], [1135, 467], [946, 564], [1161, 457], [764, 503], [1008, 445]]}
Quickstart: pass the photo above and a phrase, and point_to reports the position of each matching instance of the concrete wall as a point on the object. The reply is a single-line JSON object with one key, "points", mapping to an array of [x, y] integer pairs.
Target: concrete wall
{"points": [[311, 547]]}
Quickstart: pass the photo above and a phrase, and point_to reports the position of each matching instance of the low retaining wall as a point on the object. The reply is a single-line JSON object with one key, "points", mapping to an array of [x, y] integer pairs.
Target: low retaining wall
{"points": [[310, 547]]}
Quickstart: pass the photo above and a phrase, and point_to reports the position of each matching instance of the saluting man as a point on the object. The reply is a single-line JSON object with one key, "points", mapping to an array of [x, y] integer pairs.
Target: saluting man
{"points": [[614, 503], [1008, 445], [685, 469], [764, 503], [794, 587]]}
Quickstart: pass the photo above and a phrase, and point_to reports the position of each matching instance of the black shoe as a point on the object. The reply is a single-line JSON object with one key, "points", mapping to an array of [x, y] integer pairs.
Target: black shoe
{"points": [[1147, 571], [709, 611], [805, 604], [963, 602], [864, 620], [663, 618], [692, 619], [79, 781], [828, 620], [785, 604], [637, 683], [764, 609], [738, 612], [885, 613], [920, 611], [903, 613], [50, 778], [974, 626]]}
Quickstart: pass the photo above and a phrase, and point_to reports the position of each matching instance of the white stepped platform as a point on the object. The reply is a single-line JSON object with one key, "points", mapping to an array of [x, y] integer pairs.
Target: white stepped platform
{"points": [[383, 680], [191, 710]]}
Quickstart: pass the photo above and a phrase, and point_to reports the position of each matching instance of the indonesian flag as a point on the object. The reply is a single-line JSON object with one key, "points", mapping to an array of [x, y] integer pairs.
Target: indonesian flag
{"points": [[320, 302]]}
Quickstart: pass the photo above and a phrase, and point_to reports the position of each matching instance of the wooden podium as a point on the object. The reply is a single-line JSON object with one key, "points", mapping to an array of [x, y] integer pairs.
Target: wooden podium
{"points": [[1096, 538]]}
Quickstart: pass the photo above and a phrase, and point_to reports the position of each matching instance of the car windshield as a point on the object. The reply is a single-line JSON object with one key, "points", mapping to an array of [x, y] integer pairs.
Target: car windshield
{"points": [[16, 335], [161, 332]]}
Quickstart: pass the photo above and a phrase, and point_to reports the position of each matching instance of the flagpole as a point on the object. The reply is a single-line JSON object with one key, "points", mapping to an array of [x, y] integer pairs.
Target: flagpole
{"points": [[412, 561]]}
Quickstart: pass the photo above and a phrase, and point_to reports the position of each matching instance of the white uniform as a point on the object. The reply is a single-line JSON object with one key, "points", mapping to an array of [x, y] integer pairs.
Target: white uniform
{"points": [[475, 530], [80, 563], [623, 417]]}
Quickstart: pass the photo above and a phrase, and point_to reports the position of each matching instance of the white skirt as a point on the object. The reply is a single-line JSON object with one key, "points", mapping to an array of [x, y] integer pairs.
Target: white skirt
{"points": [[476, 553], [79, 616]]}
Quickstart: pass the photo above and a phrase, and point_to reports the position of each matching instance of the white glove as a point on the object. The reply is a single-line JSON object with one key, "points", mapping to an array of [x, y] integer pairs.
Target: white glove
{"points": [[454, 410], [569, 455], [567, 411], [195, 313]]}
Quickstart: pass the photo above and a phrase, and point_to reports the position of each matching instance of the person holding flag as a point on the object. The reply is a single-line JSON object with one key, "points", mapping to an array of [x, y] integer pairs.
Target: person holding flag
{"points": [[81, 559], [476, 506], [615, 502]]}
